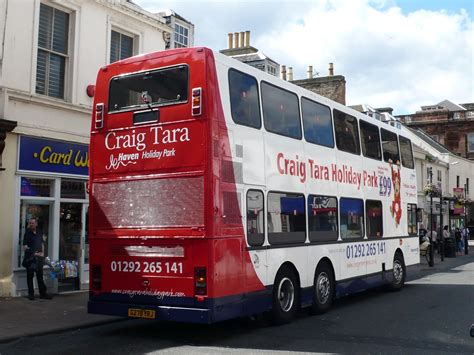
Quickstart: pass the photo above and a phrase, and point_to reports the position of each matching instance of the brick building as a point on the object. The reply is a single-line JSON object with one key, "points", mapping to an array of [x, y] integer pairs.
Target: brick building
{"points": [[448, 123]]}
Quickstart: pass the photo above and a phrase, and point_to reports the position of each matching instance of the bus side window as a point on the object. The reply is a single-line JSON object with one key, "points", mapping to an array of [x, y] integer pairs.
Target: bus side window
{"points": [[286, 218], [373, 210], [255, 218], [317, 123], [370, 140], [281, 112], [406, 152], [351, 218], [390, 146], [244, 102], [347, 132], [322, 218]]}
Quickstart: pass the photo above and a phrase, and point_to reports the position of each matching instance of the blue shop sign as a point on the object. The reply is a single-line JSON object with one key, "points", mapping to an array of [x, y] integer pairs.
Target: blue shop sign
{"points": [[37, 154]]}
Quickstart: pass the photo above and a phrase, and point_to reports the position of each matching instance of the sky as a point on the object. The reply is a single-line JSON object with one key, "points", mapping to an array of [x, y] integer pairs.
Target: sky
{"points": [[402, 54]]}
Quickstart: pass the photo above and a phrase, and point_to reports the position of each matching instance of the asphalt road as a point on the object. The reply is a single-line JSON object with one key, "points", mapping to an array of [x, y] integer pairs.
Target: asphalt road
{"points": [[431, 315]]}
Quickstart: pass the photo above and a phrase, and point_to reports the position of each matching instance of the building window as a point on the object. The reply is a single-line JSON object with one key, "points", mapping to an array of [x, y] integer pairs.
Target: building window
{"points": [[322, 218], [467, 185], [53, 38], [286, 218], [440, 175], [470, 142], [457, 180], [181, 36], [255, 218], [121, 46]]}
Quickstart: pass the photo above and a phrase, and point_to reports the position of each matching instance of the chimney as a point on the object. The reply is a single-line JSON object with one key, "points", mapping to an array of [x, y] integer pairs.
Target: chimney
{"points": [[283, 72], [236, 39], [310, 72], [242, 34], [290, 73], [331, 69], [231, 40], [247, 38]]}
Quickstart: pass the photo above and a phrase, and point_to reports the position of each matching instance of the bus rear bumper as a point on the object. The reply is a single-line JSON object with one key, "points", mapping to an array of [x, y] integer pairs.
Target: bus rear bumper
{"points": [[163, 313]]}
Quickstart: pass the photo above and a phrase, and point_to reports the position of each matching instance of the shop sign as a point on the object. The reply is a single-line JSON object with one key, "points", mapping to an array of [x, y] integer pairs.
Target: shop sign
{"points": [[37, 154]]}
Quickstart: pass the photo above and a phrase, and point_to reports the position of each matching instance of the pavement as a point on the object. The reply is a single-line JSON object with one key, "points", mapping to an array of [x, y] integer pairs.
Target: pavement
{"points": [[20, 317]]}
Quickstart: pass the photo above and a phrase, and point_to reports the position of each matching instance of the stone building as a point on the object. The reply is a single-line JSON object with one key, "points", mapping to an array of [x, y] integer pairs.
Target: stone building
{"points": [[450, 124], [50, 54]]}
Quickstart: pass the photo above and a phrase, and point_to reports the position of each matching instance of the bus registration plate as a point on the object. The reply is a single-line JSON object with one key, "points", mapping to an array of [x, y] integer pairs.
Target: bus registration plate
{"points": [[141, 313]]}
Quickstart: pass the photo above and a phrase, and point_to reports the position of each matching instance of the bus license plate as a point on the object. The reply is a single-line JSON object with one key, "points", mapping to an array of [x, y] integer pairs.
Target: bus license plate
{"points": [[141, 313]]}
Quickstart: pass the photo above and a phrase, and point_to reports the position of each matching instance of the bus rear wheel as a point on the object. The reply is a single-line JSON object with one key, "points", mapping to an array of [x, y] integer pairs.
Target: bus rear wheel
{"points": [[286, 297], [323, 289], [399, 272]]}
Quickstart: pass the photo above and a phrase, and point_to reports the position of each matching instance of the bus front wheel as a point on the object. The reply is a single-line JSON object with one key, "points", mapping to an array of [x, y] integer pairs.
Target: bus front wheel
{"points": [[286, 295], [323, 289]]}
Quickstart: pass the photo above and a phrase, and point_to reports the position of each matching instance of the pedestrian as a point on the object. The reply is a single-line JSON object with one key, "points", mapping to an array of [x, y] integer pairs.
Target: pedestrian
{"points": [[434, 238], [445, 232], [422, 232], [33, 259], [459, 243], [465, 236]]}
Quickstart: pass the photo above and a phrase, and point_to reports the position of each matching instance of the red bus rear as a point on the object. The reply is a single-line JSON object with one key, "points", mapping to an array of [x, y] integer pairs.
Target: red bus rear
{"points": [[166, 237]]}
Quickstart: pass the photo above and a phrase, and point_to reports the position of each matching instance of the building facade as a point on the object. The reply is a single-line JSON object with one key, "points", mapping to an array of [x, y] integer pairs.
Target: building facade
{"points": [[49, 60], [450, 124]]}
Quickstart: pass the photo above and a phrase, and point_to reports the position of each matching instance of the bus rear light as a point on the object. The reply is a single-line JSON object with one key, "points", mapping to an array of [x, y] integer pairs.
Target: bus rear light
{"points": [[196, 101], [200, 281], [99, 116], [96, 275]]}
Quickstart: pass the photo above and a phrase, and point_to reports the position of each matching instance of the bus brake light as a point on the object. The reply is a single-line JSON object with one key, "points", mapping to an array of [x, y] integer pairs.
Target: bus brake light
{"points": [[200, 281], [99, 116], [197, 101]]}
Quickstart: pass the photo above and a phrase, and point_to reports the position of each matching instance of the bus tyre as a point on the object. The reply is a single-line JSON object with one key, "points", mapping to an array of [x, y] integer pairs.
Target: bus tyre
{"points": [[286, 297], [323, 289], [399, 272]]}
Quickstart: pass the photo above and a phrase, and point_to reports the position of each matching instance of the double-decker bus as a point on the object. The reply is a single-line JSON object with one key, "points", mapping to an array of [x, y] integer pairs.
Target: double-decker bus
{"points": [[219, 191]]}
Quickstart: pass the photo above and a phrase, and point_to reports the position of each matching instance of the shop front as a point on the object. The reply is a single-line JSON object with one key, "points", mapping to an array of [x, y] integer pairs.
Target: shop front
{"points": [[52, 177]]}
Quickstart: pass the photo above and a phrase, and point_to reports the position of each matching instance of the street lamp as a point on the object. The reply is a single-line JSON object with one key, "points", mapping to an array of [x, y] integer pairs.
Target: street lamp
{"points": [[431, 259]]}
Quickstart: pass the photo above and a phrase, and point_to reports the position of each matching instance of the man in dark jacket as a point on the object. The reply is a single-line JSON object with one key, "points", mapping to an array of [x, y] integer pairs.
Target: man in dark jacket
{"points": [[34, 253]]}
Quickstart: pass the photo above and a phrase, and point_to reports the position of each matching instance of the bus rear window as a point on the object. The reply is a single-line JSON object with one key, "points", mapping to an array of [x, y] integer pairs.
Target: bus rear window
{"points": [[176, 202], [159, 87]]}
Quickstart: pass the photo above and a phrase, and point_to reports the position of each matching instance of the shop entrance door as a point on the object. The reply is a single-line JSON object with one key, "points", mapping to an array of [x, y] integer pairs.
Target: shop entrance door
{"points": [[71, 233]]}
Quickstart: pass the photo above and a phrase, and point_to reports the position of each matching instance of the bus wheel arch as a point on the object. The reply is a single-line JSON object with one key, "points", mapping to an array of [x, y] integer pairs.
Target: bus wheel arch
{"points": [[324, 287], [398, 271], [286, 294]]}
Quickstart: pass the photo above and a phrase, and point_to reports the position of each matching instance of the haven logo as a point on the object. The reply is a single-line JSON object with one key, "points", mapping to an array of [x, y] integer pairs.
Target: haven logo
{"points": [[127, 148]]}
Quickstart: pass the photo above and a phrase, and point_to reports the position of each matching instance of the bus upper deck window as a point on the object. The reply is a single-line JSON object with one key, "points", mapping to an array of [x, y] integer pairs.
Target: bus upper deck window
{"points": [[163, 87]]}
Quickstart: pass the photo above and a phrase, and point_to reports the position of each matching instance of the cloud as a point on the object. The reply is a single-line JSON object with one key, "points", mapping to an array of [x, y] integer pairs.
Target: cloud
{"points": [[389, 57]]}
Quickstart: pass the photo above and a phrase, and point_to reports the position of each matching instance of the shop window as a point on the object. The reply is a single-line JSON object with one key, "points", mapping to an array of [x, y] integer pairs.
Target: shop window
{"points": [[412, 218], [352, 218], [322, 218], [255, 218], [281, 112], [52, 55], [36, 187], [73, 189], [390, 146], [374, 219], [317, 123], [347, 132], [244, 103], [286, 218], [370, 140]]}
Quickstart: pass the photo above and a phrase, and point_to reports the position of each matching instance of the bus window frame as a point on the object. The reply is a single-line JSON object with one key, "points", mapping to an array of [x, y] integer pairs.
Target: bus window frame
{"points": [[369, 236], [362, 145], [262, 82], [259, 106], [358, 150], [387, 160], [363, 232], [153, 105], [326, 239], [253, 245], [411, 153]]}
